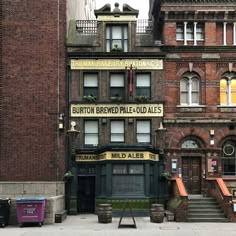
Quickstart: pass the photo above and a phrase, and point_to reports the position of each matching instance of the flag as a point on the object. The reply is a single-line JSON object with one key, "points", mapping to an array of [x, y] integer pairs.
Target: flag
{"points": [[130, 81]]}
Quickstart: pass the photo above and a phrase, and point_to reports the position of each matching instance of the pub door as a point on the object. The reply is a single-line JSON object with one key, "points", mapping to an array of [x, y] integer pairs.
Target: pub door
{"points": [[191, 174], [86, 194]]}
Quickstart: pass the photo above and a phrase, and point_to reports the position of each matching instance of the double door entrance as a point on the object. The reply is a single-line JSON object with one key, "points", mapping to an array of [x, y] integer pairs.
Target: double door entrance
{"points": [[191, 174]]}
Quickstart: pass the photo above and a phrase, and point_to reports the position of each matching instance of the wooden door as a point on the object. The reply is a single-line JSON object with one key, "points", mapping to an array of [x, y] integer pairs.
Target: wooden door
{"points": [[191, 174]]}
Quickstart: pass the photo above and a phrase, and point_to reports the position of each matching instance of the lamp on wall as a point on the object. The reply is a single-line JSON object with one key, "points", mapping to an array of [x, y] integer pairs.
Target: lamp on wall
{"points": [[72, 184], [72, 133], [160, 137], [161, 127], [212, 134], [61, 121]]}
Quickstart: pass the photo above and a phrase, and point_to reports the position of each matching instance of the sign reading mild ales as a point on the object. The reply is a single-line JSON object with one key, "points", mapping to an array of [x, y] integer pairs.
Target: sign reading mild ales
{"points": [[118, 156]]}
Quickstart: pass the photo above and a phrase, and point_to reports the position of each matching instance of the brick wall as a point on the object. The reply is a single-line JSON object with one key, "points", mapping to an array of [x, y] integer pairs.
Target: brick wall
{"points": [[224, 201], [169, 33], [33, 90], [210, 33]]}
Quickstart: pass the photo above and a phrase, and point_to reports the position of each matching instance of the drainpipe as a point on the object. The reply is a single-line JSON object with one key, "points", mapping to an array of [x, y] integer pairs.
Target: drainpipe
{"points": [[58, 90]]}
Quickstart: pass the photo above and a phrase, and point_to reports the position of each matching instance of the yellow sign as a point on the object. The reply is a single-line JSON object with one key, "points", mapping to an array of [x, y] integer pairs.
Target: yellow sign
{"points": [[115, 18], [118, 156], [87, 157], [116, 64], [119, 110]]}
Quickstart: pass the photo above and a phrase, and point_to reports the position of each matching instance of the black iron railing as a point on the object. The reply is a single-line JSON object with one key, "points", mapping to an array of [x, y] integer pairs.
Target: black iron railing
{"points": [[86, 26], [90, 26], [144, 26]]}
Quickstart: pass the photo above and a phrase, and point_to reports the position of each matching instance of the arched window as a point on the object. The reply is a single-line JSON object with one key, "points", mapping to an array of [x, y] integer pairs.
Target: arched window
{"points": [[228, 89], [189, 144], [189, 89], [229, 158]]}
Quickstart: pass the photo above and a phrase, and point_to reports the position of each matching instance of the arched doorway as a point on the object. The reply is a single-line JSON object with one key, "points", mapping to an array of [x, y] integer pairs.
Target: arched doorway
{"points": [[191, 166]]}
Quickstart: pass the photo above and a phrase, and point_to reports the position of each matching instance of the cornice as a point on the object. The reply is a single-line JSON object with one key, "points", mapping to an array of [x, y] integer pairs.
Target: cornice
{"points": [[101, 55], [198, 49], [165, 51]]}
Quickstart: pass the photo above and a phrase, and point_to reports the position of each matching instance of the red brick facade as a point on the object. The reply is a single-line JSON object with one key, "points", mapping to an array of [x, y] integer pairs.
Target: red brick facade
{"points": [[208, 56], [32, 90]]}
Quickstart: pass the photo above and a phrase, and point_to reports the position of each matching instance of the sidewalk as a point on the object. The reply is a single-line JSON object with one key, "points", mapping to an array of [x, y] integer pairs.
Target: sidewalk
{"points": [[87, 225]]}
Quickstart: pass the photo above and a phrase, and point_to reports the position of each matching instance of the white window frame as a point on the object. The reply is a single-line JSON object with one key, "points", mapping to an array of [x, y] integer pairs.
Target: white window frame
{"points": [[143, 84], [114, 37], [91, 132], [117, 81], [179, 32], [117, 131], [224, 33], [229, 77], [143, 131], [90, 82], [189, 78], [190, 31]]}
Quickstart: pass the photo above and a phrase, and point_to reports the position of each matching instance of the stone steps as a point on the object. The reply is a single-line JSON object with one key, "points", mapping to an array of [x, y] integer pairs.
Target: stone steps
{"points": [[205, 209]]}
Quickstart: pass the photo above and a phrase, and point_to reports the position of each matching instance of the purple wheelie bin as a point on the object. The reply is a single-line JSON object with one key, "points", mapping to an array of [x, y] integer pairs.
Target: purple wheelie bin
{"points": [[30, 210]]}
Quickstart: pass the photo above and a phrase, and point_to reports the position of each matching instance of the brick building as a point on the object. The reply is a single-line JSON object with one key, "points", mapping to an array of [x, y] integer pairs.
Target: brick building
{"points": [[33, 98], [32, 153], [199, 38], [95, 109], [115, 99], [33, 90]]}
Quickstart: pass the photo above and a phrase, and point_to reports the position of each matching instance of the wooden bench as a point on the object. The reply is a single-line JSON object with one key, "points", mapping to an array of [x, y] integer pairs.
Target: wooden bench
{"points": [[60, 216]]}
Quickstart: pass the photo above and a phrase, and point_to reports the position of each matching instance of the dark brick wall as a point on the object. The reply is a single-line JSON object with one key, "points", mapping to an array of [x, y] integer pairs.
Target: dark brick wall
{"points": [[33, 90], [76, 94]]}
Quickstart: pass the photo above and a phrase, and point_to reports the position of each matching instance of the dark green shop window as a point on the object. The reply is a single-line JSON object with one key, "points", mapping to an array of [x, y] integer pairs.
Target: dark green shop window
{"points": [[103, 180], [151, 179], [128, 179]]}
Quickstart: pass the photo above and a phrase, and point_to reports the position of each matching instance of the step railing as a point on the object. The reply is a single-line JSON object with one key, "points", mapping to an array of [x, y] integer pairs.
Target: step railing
{"points": [[181, 188], [219, 190], [180, 200]]}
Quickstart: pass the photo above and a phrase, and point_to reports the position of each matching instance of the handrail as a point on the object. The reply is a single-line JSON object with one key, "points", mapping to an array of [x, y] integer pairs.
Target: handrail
{"points": [[181, 188], [223, 187], [143, 26]]}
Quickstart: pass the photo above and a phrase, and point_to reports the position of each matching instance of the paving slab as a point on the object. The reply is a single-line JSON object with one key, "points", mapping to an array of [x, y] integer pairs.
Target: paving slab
{"points": [[87, 225]]}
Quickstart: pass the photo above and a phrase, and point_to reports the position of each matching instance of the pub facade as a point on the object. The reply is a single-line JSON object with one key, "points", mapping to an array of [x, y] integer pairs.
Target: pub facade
{"points": [[115, 106]]}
